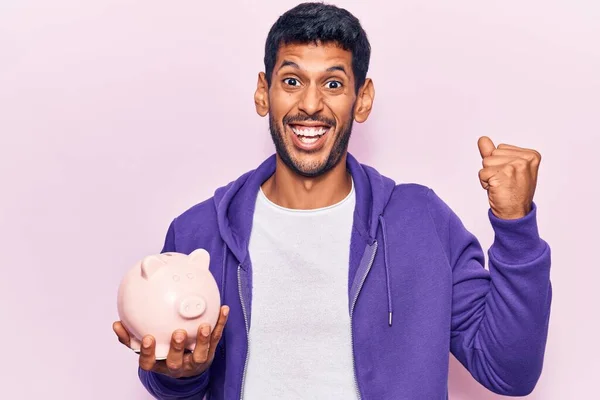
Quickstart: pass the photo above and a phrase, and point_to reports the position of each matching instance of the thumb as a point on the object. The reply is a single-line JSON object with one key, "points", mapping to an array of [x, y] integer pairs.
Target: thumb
{"points": [[486, 146]]}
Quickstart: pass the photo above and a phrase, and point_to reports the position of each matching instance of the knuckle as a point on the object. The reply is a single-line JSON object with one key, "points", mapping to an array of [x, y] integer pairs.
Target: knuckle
{"points": [[200, 358], [520, 163], [188, 368], [173, 365], [146, 364], [188, 363], [509, 169]]}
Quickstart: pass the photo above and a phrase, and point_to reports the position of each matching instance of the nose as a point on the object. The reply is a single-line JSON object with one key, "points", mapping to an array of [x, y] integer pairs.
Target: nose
{"points": [[191, 307], [311, 101]]}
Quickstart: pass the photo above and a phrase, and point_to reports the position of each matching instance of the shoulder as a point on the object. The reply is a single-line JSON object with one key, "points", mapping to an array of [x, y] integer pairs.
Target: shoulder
{"points": [[409, 196], [410, 191], [421, 205], [418, 195]]}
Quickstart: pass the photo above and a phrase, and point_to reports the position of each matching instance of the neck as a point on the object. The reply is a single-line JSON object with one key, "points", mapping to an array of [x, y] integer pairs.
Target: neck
{"points": [[290, 190]]}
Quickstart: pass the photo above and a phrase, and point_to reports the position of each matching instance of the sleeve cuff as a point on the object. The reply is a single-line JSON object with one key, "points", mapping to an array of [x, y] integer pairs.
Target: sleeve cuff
{"points": [[516, 241], [167, 386]]}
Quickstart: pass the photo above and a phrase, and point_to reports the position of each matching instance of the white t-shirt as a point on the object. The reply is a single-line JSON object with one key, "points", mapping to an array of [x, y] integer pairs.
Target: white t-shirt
{"points": [[300, 343]]}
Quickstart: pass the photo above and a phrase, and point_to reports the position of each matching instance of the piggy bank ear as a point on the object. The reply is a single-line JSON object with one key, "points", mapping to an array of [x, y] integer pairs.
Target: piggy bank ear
{"points": [[150, 265], [200, 258]]}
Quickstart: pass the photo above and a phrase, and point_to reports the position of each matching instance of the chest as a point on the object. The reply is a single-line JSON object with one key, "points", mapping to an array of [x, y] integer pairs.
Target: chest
{"points": [[299, 272]]}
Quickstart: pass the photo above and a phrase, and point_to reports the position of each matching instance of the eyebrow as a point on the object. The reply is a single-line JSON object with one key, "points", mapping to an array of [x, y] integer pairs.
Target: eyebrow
{"points": [[287, 63], [337, 68], [292, 64]]}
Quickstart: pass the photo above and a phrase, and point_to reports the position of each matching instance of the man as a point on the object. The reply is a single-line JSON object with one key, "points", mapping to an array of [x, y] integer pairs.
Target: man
{"points": [[339, 283]]}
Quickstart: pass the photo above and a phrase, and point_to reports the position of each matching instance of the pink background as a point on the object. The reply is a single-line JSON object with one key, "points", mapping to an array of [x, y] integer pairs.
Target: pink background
{"points": [[115, 116]]}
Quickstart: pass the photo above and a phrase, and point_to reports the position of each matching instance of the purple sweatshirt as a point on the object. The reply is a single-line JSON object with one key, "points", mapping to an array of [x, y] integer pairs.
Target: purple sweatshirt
{"points": [[417, 290]]}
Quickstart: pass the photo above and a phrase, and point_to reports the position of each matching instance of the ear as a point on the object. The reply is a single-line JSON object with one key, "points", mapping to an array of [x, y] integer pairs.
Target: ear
{"points": [[261, 95], [150, 265], [364, 102], [200, 258]]}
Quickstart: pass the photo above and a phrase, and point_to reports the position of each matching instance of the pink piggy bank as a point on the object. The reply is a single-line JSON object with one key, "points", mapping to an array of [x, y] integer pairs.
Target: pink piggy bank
{"points": [[166, 292]]}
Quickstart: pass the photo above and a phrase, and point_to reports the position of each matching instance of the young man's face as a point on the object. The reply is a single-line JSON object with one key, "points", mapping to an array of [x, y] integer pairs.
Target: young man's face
{"points": [[312, 104]]}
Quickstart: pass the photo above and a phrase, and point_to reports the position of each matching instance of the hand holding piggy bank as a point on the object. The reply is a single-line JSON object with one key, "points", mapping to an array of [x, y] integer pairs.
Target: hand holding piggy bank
{"points": [[171, 301]]}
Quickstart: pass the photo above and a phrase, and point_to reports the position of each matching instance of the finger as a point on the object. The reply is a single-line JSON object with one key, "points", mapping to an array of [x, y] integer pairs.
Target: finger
{"points": [[147, 358], [218, 331], [510, 146], [537, 157], [219, 327], [200, 353], [527, 155], [495, 161], [176, 350], [122, 333], [486, 146], [190, 368], [487, 177]]}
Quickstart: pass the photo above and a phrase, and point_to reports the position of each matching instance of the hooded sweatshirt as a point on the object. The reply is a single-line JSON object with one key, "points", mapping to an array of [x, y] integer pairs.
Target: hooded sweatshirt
{"points": [[418, 290]]}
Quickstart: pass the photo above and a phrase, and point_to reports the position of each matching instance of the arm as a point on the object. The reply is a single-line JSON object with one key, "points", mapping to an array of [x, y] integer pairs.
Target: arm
{"points": [[499, 318], [164, 387]]}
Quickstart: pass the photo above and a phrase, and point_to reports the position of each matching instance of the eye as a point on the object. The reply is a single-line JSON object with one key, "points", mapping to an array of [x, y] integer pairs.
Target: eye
{"points": [[334, 84], [291, 81]]}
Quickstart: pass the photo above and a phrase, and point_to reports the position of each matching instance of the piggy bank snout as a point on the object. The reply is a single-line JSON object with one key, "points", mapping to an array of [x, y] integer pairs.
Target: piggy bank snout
{"points": [[191, 307]]}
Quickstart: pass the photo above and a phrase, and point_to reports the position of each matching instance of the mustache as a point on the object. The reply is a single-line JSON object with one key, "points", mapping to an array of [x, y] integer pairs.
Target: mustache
{"points": [[290, 119]]}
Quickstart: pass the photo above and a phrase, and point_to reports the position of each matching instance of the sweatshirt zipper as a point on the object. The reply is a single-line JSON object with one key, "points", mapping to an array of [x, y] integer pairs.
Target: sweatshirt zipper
{"points": [[362, 281], [247, 330]]}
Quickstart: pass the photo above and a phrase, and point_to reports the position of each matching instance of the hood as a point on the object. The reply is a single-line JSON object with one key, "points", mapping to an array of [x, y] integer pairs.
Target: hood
{"points": [[235, 202]]}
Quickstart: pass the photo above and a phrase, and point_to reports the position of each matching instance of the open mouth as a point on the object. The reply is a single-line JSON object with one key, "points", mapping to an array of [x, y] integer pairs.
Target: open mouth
{"points": [[309, 136]]}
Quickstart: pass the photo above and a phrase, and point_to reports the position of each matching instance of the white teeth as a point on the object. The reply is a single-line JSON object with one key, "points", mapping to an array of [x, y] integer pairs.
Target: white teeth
{"points": [[310, 132], [308, 140]]}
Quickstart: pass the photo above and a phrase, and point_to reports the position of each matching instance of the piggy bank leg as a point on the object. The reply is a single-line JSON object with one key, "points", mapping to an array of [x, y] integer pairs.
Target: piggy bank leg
{"points": [[161, 351], [135, 344]]}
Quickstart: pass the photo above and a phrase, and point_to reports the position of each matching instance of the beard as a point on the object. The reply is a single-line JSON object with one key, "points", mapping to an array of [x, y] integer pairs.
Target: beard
{"points": [[315, 168]]}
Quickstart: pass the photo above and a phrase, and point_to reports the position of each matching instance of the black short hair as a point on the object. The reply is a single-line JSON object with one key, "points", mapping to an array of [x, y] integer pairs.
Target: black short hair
{"points": [[320, 23]]}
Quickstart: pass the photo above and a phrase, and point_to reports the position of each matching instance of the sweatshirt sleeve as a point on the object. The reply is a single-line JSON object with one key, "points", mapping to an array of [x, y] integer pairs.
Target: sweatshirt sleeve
{"points": [[163, 387], [500, 317]]}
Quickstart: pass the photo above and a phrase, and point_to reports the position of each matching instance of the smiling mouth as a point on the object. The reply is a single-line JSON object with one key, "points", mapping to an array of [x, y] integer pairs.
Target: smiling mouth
{"points": [[309, 134]]}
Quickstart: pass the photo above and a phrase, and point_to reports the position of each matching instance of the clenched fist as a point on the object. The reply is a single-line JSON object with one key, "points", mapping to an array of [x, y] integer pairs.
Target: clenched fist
{"points": [[509, 175]]}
